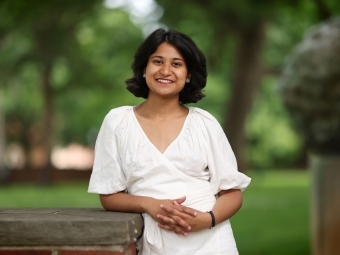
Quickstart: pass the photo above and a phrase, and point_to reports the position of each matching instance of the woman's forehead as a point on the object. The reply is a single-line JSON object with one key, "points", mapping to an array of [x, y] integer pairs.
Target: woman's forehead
{"points": [[167, 50]]}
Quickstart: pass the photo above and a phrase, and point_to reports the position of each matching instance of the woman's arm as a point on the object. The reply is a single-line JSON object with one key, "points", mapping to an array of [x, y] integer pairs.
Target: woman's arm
{"points": [[123, 202], [227, 204]]}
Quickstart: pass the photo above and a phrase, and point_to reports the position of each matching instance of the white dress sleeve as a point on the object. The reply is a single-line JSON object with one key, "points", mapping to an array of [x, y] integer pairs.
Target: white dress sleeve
{"points": [[107, 175], [222, 163]]}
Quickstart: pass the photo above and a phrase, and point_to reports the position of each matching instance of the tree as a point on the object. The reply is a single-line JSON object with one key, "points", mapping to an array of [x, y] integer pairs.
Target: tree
{"points": [[48, 30], [244, 23], [239, 29], [90, 63]]}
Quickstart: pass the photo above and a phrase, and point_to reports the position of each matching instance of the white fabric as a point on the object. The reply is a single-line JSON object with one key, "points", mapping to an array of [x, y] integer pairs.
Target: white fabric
{"points": [[197, 164]]}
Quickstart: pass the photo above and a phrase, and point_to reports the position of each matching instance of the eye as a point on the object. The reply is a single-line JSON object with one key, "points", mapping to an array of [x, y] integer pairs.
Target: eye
{"points": [[177, 64], [157, 61]]}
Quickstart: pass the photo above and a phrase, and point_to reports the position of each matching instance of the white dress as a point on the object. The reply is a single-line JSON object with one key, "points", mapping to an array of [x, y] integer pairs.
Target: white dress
{"points": [[197, 164]]}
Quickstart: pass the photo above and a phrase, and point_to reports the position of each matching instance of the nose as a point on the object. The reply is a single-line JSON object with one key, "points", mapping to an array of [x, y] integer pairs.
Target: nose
{"points": [[166, 69]]}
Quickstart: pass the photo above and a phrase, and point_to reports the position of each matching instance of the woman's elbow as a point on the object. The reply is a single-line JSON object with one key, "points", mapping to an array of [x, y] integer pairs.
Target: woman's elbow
{"points": [[234, 195], [104, 200], [240, 199]]}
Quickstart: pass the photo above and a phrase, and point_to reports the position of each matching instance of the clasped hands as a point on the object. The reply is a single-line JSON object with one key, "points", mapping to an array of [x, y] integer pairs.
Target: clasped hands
{"points": [[173, 216]]}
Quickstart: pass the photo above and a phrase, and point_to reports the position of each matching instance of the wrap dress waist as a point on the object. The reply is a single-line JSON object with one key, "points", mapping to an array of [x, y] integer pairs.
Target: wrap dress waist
{"points": [[199, 196]]}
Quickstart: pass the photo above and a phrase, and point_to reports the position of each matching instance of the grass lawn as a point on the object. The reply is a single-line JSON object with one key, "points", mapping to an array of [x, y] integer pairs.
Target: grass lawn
{"points": [[58, 195], [274, 219]]}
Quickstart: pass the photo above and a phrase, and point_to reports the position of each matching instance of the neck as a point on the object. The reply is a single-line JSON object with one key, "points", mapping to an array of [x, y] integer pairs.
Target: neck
{"points": [[161, 107]]}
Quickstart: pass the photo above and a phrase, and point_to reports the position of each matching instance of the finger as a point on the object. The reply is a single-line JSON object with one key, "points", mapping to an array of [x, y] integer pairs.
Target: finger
{"points": [[174, 221], [189, 211], [166, 227], [169, 209], [166, 220], [178, 210], [181, 223], [180, 200]]}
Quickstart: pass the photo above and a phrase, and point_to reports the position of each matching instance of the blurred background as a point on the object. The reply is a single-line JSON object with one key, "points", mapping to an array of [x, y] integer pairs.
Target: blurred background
{"points": [[63, 66]]}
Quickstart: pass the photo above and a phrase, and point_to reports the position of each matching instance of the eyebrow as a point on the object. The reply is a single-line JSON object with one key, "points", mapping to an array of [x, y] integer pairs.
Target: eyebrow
{"points": [[163, 58]]}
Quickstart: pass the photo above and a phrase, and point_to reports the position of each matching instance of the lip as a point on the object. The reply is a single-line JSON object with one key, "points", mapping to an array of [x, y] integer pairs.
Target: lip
{"points": [[164, 81]]}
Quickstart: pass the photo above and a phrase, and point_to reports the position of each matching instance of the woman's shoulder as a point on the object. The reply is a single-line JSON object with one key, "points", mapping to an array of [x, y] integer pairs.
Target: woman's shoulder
{"points": [[204, 115], [116, 115], [119, 110]]}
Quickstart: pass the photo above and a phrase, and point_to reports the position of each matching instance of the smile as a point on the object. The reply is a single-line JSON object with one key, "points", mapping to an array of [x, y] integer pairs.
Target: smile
{"points": [[164, 81]]}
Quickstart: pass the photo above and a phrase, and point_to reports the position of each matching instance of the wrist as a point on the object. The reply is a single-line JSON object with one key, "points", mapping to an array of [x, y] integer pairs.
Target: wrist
{"points": [[212, 219], [145, 203]]}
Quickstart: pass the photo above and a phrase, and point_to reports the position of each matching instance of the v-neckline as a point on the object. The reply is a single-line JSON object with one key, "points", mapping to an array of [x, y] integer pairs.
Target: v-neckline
{"points": [[170, 144]]}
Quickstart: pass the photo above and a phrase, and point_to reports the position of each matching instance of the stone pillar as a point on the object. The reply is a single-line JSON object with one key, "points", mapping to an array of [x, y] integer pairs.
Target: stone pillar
{"points": [[325, 204], [68, 232]]}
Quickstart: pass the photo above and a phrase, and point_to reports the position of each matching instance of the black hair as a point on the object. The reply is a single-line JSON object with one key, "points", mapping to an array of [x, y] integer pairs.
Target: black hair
{"points": [[193, 57]]}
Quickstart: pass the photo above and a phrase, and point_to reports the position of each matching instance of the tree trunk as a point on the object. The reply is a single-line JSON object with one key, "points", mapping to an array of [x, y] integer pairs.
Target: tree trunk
{"points": [[47, 121], [245, 82], [322, 10], [3, 170], [325, 204]]}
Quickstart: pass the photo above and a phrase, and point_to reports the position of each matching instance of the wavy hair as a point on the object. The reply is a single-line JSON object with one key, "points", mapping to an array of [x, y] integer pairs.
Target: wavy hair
{"points": [[194, 59]]}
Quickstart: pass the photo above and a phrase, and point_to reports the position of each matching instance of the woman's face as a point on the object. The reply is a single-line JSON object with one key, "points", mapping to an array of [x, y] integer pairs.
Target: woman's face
{"points": [[166, 72]]}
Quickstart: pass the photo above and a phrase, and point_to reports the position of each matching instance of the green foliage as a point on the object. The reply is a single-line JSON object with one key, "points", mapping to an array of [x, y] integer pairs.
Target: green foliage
{"points": [[89, 66], [272, 143], [100, 87], [270, 140], [35, 36], [90, 49], [22, 104], [216, 92]]}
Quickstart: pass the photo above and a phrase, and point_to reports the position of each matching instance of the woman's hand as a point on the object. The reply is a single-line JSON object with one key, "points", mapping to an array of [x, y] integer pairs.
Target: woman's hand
{"points": [[227, 204], [123, 202], [173, 221], [177, 214]]}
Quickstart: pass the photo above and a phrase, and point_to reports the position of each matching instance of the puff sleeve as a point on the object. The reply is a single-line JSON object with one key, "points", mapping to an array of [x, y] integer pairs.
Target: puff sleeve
{"points": [[107, 175], [222, 163]]}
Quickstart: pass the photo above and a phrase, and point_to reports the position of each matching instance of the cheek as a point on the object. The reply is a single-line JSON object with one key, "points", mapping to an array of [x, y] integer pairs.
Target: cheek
{"points": [[147, 80], [183, 75], [148, 69], [180, 73]]}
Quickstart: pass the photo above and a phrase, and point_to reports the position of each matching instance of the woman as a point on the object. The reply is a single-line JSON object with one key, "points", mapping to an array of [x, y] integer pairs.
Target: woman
{"points": [[170, 162]]}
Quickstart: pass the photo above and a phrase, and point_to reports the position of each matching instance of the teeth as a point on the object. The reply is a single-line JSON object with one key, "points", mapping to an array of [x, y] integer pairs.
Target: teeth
{"points": [[164, 81]]}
